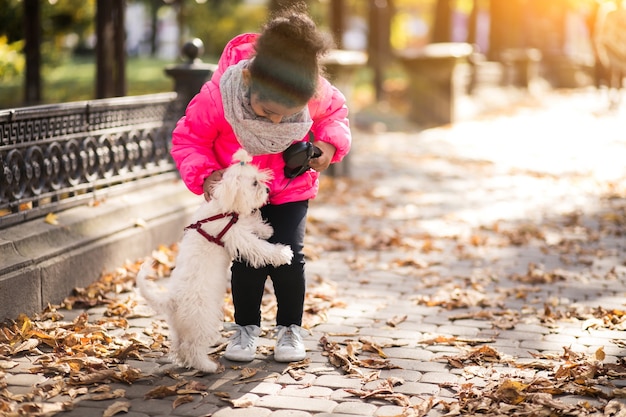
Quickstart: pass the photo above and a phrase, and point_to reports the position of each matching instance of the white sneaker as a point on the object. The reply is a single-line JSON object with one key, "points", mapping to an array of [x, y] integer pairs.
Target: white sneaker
{"points": [[289, 347], [242, 344]]}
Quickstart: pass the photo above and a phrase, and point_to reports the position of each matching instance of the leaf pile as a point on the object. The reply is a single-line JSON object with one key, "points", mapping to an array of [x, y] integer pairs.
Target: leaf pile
{"points": [[511, 387], [83, 356], [570, 384]]}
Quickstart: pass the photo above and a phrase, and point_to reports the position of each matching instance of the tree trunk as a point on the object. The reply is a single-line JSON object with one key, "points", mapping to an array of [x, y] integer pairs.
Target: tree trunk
{"points": [[154, 25], [472, 24], [110, 49], [32, 35], [379, 48], [337, 21], [442, 29], [507, 21]]}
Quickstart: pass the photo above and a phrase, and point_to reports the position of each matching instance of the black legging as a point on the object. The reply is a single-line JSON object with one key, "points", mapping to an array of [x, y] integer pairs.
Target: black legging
{"points": [[248, 284]]}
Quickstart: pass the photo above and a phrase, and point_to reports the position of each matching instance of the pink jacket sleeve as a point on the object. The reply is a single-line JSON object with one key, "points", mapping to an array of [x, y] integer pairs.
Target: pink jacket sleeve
{"points": [[192, 142], [330, 119]]}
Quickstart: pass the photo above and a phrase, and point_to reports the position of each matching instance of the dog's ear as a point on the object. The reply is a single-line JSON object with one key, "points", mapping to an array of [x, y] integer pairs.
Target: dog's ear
{"points": [[265, 176], [224, 191]]}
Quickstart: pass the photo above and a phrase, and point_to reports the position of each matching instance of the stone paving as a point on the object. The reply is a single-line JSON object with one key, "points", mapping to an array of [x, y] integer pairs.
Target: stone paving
{"points": [[501, 232]]}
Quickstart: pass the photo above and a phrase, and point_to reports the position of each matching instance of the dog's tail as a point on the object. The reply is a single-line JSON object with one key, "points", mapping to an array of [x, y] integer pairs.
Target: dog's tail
{"points": [[155, 296]]}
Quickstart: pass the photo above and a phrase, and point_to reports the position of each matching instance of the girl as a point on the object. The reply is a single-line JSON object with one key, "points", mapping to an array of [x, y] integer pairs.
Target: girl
{"points": [[267, 94]]}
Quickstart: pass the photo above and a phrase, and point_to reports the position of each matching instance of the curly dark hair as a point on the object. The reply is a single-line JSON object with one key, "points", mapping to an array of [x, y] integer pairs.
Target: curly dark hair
{"points": [[286, 66]]}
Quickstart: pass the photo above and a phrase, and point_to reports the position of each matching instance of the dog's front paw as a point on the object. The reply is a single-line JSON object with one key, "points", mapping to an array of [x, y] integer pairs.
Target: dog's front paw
{"points": [[285, 255], [264, 231]]}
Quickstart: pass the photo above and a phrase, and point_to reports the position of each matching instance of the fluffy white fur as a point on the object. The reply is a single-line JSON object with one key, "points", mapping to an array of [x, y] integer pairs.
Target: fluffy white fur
{"points": [[193, 297]]}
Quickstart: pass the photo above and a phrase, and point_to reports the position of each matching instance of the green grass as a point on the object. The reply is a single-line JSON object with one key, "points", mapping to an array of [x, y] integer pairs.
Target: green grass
{"points": [[74, 80]]}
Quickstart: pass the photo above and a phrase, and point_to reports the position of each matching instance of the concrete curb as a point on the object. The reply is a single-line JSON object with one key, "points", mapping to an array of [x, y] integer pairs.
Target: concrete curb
{"points": [[41, 263]]}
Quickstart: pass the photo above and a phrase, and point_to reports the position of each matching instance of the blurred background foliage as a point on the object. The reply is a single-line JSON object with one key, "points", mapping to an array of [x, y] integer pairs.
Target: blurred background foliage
{"points": [[68, 34], [68, 42]]}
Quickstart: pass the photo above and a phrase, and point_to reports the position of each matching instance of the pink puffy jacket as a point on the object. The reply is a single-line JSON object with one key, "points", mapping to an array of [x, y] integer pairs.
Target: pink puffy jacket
{"points": [[203, 141]]}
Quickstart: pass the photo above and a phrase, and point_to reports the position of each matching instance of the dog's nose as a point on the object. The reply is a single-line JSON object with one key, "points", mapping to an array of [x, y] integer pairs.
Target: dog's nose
{"points": [[267, 190]]}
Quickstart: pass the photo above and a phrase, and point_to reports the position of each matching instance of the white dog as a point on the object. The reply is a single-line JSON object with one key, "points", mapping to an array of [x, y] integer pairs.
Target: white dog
{"points": [[228, 227]]}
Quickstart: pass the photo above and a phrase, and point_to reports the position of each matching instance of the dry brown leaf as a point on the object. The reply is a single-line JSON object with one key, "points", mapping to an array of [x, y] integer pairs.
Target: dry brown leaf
{"points": [[75, 392], [41, 409], [26, 346], [247, 373], [383, 392], [439, 340], [8, 364], [196, 386], [242, 402], [372, 376], [511, 392], [118, 393], [116, 408], [619, 393], [52, 219], [369, 346], [181, 399], [477, 356], [161, 391], [395, 320], [296, 369], [296, 374], [375, 363], [92, 377]]}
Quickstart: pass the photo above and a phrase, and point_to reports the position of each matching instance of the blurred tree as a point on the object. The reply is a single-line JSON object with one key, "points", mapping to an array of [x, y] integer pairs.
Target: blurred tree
{"points": [[379, 45], [338, 21], [506, 27], [110, 49], [442, 27], [472, 24], [11, 22], [218, 21], [32, 52], [275, 5]]}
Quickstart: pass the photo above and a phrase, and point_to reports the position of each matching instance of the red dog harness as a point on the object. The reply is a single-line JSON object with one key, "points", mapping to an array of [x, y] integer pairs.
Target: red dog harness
{"points": [[215, 239]]}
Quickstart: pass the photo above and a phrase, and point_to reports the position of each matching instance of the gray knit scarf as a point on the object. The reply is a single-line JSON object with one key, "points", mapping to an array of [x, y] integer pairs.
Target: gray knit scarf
{"points": [[255, 134]]}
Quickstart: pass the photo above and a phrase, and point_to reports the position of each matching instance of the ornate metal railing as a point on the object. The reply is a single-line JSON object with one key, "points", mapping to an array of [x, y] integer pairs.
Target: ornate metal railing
{"points": [[53, 157]]}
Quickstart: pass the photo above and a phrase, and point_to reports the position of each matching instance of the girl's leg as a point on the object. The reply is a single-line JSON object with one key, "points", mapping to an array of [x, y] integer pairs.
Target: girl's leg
{"points": [[289, 223], [248, 284], [247, 287]]}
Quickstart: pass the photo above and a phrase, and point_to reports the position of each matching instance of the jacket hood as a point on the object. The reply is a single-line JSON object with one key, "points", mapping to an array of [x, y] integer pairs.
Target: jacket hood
{"points": [[240, 47]]}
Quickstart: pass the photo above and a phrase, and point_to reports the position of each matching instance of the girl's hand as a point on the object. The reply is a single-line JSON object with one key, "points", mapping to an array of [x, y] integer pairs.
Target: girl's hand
{"points": [[210, 182], [323, 161]]}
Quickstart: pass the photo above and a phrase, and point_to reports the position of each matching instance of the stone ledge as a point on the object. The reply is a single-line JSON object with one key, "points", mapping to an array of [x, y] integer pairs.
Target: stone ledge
{"points": [[41, 263]]}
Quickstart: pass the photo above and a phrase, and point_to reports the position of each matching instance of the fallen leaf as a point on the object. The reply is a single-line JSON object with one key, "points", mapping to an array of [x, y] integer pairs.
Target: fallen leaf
{"points": [[116, 408], [52, 219], [511, 392], [8, 364], [118, 393], [247, 373], [394, 321], [242, 402], [161, 391], [182, 399]]}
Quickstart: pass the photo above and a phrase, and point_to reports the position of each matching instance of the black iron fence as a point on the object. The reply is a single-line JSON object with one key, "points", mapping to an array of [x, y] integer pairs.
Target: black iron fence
{"points": [[53, 157]]}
